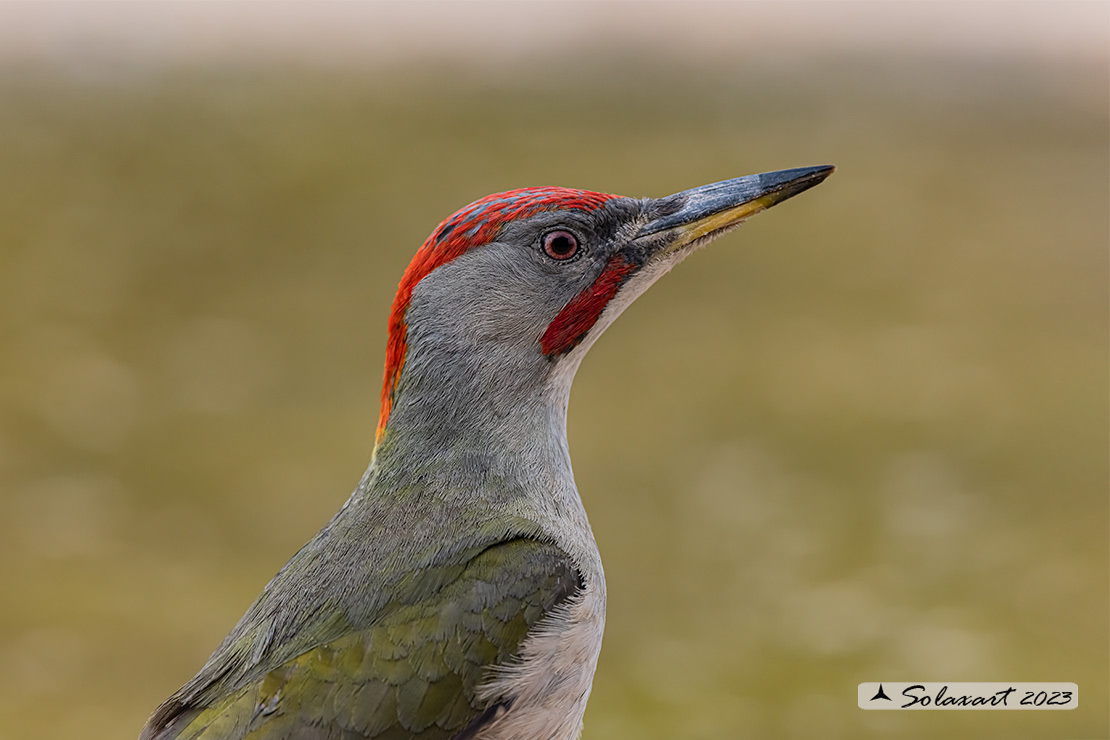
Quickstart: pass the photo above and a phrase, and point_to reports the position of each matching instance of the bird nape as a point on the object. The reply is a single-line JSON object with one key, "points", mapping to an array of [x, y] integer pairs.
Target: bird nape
{"points": [[459, 593]]}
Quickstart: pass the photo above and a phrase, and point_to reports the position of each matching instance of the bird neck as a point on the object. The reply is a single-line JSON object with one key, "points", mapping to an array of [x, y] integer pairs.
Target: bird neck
{"points": [[478, 434], [498, 415]]}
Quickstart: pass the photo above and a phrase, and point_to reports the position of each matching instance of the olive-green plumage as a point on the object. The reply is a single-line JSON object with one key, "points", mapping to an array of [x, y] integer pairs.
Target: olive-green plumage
{"points": [[412, 673]]}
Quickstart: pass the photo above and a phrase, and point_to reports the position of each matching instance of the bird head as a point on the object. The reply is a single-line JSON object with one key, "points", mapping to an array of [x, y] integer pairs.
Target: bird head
{"points": [[505, 297]]}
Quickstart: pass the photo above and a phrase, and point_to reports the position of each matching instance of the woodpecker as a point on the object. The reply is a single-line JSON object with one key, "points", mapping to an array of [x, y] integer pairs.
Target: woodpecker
{"points": [[459, 594]]}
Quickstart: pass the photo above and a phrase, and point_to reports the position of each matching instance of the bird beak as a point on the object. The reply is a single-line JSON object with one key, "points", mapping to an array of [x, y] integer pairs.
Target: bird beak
{"points": [[695, 216]]}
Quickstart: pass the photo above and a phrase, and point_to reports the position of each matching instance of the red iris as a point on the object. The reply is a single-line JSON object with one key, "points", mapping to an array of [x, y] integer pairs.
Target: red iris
{"points": [[560, 245]]}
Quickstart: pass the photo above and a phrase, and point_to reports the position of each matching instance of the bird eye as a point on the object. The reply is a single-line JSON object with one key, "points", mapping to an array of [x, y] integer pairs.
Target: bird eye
{"points": [[560, 245]]}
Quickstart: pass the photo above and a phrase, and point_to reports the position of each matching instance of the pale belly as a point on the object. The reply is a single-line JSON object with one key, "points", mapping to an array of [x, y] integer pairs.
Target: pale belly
{"points": [[551, 684]]}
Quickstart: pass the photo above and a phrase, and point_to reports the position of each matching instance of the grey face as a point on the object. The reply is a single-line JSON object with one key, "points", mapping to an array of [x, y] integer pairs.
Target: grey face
{"points": [[497, 300], [507, 322]]}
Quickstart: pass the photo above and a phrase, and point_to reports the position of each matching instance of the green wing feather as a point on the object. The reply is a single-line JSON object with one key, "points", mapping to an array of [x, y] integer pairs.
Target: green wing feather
{"points": [[412, 673]]}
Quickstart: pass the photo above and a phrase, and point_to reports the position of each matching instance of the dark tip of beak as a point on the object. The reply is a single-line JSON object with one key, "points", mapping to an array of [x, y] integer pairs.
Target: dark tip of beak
{"points": [[788, 183]]}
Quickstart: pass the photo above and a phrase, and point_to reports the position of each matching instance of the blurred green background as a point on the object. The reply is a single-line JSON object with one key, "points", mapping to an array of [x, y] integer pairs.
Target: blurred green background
{"points": [[864, 438]]}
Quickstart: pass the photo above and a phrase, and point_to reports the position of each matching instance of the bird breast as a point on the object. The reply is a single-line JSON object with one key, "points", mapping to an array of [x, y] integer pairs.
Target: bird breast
{"points": [[547, 689]]}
